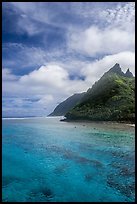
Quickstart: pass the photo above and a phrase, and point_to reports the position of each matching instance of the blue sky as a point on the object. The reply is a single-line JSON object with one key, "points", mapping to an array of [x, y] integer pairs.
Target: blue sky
{"points": [[51, 50]]}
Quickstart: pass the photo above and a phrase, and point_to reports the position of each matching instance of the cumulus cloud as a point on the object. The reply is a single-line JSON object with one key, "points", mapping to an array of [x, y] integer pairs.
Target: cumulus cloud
{"points": [[94, 41], [53, 79], [52, 75]]}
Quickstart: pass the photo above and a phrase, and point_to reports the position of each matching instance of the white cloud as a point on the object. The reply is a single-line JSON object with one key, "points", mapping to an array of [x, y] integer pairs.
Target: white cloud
{"points": [[52, 75], [52, 79], [94, 41]]}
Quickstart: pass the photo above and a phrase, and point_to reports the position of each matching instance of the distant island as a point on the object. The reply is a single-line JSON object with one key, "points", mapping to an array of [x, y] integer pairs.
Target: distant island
{"points": [[111, 98]]}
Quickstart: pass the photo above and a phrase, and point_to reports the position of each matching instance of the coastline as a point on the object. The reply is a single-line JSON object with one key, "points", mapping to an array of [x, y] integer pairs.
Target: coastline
{"points": [[128, 123]]}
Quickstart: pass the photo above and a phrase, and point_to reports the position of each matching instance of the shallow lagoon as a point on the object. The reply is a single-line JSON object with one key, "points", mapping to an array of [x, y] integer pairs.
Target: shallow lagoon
{"points": [[44, 159]]}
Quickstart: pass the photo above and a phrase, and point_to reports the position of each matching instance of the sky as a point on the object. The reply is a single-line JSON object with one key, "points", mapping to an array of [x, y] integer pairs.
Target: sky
{"points": [[52, 50]]}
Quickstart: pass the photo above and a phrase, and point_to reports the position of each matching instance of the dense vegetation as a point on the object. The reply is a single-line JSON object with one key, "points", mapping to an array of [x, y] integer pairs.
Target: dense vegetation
{"points": [[112, 98]]}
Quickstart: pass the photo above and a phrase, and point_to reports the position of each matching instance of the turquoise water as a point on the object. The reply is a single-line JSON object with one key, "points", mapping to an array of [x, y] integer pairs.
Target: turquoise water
{"points": [[53, 161]]}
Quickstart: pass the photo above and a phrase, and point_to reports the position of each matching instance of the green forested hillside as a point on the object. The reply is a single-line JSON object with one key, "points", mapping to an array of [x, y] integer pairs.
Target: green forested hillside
{"points": [[112, 98]]}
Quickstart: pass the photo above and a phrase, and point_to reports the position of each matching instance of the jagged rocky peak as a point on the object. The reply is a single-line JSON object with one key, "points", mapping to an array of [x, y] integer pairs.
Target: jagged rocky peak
{"points": [[128, 73], [116, 69]]}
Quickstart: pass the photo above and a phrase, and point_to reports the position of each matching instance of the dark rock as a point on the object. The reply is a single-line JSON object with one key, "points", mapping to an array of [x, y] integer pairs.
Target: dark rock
{"points": [[128, 73], [88, 177], [60, 169], [47, 192], [82, 160], [116, 69], [126, 189]]}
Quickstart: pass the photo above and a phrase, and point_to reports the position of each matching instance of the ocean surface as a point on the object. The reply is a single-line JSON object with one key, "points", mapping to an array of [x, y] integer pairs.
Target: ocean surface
{"points": [[44, 159]]}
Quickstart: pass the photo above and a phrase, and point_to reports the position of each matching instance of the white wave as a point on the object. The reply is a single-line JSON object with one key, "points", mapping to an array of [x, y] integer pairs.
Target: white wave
{"points": [[55, 116], [22, 118]]}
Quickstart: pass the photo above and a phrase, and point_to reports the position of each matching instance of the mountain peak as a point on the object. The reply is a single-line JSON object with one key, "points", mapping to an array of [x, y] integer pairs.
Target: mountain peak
{"points": [[111, 98], [128, 73], [116, 69], [116, 66]]}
